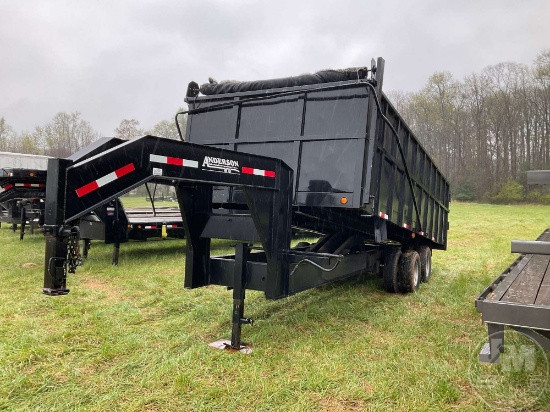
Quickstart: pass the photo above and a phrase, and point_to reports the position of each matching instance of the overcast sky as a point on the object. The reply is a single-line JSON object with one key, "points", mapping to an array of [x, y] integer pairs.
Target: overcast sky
{"points": [[118, 59]]}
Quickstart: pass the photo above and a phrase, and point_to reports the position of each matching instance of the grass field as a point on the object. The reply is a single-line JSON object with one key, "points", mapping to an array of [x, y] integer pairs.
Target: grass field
{"points": [[131, 338]]}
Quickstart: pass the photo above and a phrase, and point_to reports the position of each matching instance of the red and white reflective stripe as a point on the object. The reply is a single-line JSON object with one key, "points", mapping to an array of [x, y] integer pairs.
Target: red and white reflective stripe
{"points": [[102, 181], [8, 187], [406, 226], [433, 238], [158, 227], [421, 233], [29, 185], [257, 172], [383, 215], [176, 161]]}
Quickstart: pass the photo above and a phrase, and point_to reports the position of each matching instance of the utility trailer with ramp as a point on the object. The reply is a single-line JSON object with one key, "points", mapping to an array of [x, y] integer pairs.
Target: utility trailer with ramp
{"points": [[520, 297], [325, 153]]}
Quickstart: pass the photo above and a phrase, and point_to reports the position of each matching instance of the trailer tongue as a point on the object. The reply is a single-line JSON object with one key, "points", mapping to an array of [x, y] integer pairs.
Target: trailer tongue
{"points": [[262, 159]]}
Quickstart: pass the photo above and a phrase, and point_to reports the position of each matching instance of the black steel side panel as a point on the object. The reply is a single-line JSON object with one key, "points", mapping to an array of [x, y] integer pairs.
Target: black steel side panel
{"points": [[391, 190]]}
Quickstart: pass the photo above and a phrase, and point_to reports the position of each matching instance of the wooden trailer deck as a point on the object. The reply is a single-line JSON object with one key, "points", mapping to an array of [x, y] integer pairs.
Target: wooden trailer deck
{"points": [[519, 298]]}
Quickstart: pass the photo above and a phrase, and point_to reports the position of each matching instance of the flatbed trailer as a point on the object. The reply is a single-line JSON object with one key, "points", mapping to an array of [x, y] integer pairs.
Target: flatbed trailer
{"points": [[327, 154], [114, 224], [520, 297]]}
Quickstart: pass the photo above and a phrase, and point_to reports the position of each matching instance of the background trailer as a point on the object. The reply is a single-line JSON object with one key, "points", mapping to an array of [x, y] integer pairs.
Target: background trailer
{"points": [[22, 189], [520, 297], [22, 193]]}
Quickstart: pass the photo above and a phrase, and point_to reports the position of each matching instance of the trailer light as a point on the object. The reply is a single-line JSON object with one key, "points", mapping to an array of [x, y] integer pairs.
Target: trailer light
{"points": [[139, 226], [31, 174], [413, 235], [344, 200]]}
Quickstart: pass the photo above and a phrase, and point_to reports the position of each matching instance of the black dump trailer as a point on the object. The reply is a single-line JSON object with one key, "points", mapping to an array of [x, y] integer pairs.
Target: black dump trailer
{"points": [[22, 193], [520, 297], [325, 153]]}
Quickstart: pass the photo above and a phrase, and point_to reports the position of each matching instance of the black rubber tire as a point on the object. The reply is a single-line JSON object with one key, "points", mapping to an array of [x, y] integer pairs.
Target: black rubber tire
{"points": [[408, 276], [390, 271], [425, 263]]}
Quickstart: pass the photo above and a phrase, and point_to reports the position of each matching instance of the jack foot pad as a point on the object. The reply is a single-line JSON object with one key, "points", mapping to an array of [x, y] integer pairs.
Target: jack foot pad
{"points": [[225, 344], [485, 355]]}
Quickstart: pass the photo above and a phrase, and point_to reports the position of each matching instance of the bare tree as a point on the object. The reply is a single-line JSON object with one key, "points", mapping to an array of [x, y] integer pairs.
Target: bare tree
{"points": [[129, 129], [6, 136], [165, 128], [66, 134]]}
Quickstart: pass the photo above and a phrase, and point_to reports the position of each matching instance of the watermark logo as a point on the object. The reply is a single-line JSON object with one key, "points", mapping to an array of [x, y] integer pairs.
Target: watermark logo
{"points": [[519, 379]]}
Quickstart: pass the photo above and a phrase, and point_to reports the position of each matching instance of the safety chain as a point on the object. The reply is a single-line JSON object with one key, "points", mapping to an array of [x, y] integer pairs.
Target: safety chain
{"points": [[74, 259]]}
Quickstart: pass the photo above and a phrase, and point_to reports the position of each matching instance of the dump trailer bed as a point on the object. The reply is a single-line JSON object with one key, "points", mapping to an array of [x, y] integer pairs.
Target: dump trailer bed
{"points": [[350, 170], [333, 158]]}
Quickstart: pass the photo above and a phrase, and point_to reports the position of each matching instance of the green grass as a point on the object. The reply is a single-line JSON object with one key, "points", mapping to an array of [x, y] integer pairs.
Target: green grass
{"points": [[131, 338]]}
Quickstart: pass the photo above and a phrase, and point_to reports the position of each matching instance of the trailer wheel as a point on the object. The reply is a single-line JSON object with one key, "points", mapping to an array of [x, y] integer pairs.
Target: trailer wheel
{"points": [[425, 263], [390, 271], [408, 275]]}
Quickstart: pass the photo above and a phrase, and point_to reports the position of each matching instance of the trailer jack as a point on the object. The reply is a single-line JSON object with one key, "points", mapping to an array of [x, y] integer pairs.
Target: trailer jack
{"points": [[62, 257], [242, 251]]}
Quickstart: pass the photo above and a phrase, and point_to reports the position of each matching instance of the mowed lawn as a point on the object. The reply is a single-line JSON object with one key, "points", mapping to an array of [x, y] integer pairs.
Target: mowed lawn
{"points": [[131, 338]]}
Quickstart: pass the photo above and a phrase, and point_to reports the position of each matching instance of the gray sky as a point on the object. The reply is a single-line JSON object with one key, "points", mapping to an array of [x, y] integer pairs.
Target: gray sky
{"points": [[118, 59]]}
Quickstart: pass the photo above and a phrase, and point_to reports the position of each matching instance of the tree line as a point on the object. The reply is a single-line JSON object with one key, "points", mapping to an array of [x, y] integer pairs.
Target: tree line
{"points": [[485, 131], [67, 133]]}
